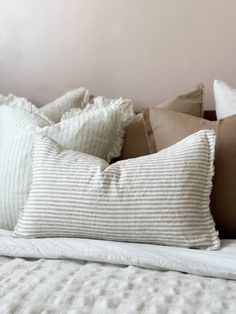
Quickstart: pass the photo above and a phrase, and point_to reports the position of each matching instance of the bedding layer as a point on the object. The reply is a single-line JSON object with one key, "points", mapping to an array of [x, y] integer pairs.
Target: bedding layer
{"points": [[72, 287], [219, 264], [91, 276]]}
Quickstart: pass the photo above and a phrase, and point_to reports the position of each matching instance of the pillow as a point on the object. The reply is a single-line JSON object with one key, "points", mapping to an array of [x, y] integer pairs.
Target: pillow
{"points": [[161, 198], [98, 102], [98, 132], [165, 128], [136, 141], [225, 99], [72, 99], [6, 100], [77, 98]]}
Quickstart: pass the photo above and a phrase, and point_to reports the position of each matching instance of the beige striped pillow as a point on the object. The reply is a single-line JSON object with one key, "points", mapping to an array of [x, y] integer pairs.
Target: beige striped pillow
{"points": [[162, 198]]}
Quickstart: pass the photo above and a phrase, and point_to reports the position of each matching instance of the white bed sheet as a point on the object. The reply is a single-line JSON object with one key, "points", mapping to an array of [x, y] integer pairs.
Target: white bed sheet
{"points": [[70, 276], [217, 264]]}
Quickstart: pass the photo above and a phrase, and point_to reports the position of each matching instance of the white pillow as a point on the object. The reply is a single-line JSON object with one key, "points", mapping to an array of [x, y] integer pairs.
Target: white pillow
{"points": [[98, 132], [225, 99], [98, 102], [77, 98], [6, 100], [161, 198]]}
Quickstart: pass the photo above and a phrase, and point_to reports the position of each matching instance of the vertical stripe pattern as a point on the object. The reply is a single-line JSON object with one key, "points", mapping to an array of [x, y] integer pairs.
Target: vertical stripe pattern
{"points": [[98, 132]]}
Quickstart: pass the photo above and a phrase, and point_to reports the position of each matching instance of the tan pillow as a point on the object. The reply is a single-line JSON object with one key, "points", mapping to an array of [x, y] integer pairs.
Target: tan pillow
{"points": [[164, 128], [136, 141]]}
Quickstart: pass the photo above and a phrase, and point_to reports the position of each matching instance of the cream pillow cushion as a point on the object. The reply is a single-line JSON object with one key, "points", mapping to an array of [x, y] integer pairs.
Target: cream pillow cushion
{"points": [[6, 100], [77, 98], [162, 198], [98, 132], [225, 99]]}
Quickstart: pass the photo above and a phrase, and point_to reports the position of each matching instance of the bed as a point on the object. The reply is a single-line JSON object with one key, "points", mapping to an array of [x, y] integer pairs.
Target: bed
{"points": [[79, 275], [67, 275]]}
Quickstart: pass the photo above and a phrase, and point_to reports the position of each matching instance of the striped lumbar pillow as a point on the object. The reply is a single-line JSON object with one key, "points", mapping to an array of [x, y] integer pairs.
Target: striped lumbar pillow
{"points": [[98, 132], [162, 198]]}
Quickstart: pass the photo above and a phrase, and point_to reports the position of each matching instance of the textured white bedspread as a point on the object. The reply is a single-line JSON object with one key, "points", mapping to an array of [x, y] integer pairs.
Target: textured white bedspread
{"points": [[65, 286], [68, 284]]}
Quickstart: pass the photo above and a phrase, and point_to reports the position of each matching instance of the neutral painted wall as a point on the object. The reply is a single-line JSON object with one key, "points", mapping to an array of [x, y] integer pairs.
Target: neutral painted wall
{"points": [[144, 49]]}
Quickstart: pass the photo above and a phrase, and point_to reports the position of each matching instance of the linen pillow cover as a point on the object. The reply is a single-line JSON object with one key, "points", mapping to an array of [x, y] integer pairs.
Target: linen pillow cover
{"points": [[94, 103], [225, 99], [77, 98], [165, 128], [6, 100], [161, 198], [136, 141], [98, 132]]}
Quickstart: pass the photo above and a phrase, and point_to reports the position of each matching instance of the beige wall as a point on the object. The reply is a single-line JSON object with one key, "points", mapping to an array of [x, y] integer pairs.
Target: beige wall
{"points": [[144, 49]]}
